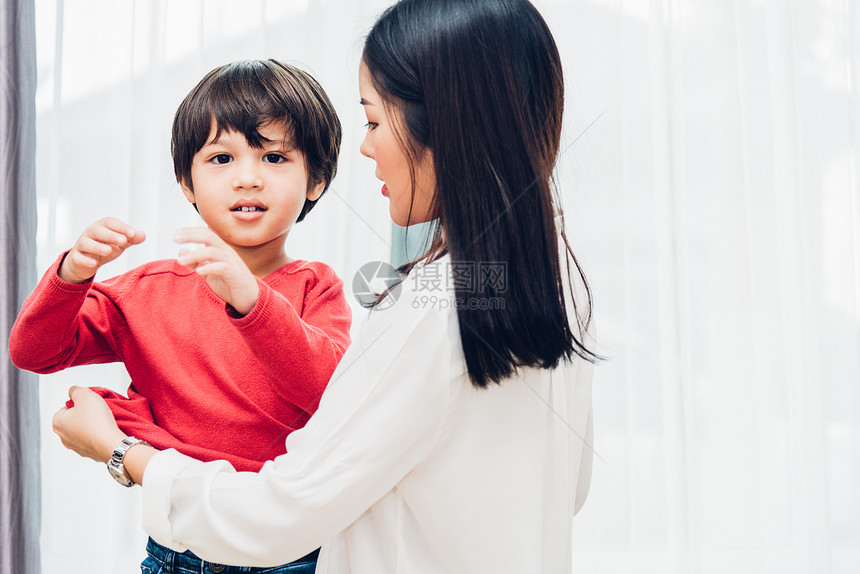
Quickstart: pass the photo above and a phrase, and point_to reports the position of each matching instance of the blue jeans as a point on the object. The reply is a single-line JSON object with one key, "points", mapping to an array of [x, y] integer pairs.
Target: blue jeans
{"points": [[163, 560]]}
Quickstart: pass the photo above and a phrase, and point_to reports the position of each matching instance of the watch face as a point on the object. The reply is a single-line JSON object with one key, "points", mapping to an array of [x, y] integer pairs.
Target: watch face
{"points": [[118, 473]]}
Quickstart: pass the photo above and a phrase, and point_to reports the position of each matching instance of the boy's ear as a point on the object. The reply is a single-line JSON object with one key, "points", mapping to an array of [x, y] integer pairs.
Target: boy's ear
{"points": [[317, 190], [189, 193]]}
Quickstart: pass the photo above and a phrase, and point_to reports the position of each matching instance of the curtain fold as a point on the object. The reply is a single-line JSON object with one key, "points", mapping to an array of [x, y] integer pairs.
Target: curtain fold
{"points": [[20, 511]]}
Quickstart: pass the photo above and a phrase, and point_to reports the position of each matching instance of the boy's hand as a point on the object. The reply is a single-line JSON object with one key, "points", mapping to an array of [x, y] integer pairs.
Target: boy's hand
{"points": [[223, 269], [100, 243]]}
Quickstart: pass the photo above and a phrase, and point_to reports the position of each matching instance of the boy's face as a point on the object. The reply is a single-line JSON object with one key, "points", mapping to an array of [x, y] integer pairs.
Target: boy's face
{"points": [[250, 197]]}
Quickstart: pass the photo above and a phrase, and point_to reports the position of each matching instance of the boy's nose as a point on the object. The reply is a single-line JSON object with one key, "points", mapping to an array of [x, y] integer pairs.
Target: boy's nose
{"points": [[247, 176]]}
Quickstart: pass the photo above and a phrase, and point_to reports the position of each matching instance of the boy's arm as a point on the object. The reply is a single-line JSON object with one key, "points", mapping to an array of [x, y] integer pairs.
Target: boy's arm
{"points": [[64, 324], [300, 347], [133, 416]]}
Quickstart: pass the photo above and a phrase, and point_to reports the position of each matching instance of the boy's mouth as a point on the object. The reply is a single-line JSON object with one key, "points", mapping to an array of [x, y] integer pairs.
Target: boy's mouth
{"points": [[248, 208]]}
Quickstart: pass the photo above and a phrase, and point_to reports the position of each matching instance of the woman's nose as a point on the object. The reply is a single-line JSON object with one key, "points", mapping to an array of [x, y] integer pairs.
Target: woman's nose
{"points": [[365, 148]]}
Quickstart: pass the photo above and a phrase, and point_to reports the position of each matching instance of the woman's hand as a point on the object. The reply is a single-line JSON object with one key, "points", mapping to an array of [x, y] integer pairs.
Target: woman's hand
{"points": [[223, 269], [88, 428]]}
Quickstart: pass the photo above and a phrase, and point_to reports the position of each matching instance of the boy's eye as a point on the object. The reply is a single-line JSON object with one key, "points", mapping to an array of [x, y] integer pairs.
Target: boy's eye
{"points": [[222, 158], [274, 158]]}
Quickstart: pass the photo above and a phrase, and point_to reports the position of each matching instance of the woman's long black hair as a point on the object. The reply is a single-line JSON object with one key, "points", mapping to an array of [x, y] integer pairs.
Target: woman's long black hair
{"points": [[479, 83]]}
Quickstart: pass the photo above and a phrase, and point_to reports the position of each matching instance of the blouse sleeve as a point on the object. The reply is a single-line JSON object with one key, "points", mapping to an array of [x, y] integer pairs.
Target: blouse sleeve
{"points": [[378, 418]]}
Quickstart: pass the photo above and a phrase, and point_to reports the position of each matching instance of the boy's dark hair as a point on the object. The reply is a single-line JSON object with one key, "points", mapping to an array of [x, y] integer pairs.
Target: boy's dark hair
{"points": [[245, 96], [480, 85]]}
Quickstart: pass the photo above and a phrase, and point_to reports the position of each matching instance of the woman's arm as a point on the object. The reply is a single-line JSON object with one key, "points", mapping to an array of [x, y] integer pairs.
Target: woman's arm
{"points": [[378, 419]]}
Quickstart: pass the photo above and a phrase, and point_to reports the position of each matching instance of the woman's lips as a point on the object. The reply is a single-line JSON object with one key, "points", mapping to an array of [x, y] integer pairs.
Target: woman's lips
{"points": [[384, 190]]}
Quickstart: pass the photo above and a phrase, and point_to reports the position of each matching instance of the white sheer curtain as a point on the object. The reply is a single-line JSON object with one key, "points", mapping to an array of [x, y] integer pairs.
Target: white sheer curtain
{"points": [[715, 202], [709, 177], [111, 77]]}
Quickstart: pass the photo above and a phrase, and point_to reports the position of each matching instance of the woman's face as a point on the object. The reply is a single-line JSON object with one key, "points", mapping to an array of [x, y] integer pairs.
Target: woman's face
{"points": [[392, 162]]}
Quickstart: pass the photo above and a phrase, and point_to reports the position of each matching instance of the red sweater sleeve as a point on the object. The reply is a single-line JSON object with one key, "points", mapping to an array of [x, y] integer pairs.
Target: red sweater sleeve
{"points": [[134, 417], [64, 324], [307, 343]]}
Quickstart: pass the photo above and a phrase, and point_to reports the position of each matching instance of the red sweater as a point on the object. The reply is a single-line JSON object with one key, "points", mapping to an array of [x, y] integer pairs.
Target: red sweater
{"points": [[207, 384]]}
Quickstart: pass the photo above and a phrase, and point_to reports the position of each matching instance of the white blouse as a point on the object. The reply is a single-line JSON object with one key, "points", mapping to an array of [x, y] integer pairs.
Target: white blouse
{"points": [[405, 468]]}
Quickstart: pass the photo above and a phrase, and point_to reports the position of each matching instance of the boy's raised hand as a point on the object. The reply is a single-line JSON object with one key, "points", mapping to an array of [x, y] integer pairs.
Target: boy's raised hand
{"points": [[100, 243], [223, 269]]}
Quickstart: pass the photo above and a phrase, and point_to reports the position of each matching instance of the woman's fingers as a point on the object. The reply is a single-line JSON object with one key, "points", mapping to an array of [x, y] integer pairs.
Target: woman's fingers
{"points": [[88, 428], [80, 395]]}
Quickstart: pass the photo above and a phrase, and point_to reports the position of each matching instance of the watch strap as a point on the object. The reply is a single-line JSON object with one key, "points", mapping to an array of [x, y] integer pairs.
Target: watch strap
{"points": [[115, 463]]}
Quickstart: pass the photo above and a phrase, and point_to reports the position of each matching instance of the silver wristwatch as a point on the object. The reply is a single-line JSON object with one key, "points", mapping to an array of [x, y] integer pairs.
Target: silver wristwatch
{"points": [[115, 466]]}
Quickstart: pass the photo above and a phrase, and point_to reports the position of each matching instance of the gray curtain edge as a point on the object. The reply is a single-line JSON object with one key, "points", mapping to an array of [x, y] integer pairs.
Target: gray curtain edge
{"points": [[20, 484]]}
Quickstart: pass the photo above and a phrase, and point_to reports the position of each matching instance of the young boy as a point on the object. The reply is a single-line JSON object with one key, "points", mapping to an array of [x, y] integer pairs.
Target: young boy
{"points": [[230, 347]]}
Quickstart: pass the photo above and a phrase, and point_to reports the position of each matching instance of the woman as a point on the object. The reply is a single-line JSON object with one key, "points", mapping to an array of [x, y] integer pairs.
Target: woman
{"points": [[455, 434]]}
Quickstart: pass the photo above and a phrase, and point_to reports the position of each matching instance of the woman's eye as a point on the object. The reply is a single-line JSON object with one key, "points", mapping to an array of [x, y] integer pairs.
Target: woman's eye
{"points": [[274, 158], [222, 158], [371, 126]]}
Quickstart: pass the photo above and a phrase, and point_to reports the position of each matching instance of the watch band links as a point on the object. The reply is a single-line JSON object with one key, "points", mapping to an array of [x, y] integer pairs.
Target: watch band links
{"points": [[115, 463]]}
